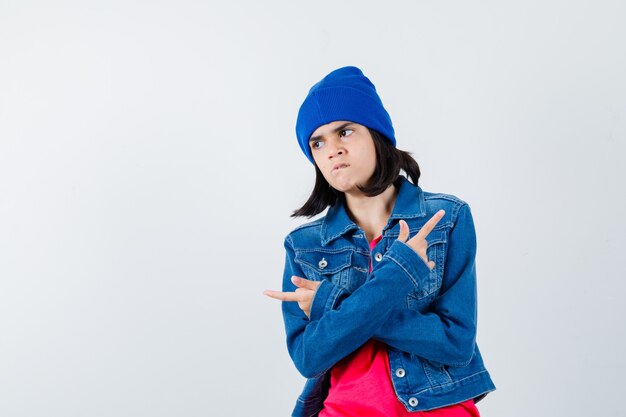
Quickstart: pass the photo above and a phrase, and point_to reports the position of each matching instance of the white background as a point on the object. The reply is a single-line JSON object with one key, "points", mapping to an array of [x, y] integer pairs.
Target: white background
{"points": [[149, 165]]}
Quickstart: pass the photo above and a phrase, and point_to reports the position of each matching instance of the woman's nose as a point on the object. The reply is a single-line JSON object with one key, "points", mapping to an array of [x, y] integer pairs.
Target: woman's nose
{"points": [[335, 149]]}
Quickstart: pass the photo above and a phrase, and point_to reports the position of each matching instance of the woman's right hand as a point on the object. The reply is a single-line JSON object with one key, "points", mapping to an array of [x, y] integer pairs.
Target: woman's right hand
{"points": [[303, 295], [418, 242]]}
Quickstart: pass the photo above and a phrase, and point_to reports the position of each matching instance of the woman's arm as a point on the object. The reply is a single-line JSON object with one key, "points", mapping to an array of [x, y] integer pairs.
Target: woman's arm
{"points": [[447, 332], [318, 343], [334, 331]]}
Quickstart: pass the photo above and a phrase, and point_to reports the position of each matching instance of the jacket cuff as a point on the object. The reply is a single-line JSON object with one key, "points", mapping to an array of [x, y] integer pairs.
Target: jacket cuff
{"points": [[409, 262], [324, 299]]}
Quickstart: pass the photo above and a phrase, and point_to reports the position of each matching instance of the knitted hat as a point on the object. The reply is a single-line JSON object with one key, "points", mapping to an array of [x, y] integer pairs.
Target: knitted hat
{"points": [[344, 94]]}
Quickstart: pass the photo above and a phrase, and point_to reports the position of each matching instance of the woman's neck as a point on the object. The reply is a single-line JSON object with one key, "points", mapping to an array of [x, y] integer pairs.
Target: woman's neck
{"points": [[371, 214]]}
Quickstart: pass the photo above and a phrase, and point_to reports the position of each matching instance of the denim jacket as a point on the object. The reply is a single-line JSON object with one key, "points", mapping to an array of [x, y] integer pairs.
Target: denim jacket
{"points": [[426, 318]]}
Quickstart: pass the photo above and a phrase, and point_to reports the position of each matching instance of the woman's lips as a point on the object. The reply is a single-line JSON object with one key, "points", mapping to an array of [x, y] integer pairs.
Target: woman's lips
{"points": [[340, 166]]}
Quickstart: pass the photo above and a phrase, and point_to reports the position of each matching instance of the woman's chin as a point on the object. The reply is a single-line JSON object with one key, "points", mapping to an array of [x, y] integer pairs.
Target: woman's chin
{"points": [[349, 189], [342, 187]]}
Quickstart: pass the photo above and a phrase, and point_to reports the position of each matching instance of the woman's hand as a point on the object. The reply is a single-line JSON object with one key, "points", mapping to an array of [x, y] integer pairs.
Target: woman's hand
{"points": [[418, 242], [303, 295]]}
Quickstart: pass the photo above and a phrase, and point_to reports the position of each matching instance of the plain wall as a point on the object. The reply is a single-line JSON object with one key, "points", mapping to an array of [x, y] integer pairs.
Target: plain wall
{"points": [[149, 165]]}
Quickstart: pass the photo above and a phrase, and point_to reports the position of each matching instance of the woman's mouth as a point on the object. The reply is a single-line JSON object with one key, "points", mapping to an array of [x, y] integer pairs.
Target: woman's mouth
{"points": [[339, 167]]}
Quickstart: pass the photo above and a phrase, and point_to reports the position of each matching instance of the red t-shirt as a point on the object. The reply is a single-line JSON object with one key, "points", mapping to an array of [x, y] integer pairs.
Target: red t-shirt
{"points": [[360, 385]]}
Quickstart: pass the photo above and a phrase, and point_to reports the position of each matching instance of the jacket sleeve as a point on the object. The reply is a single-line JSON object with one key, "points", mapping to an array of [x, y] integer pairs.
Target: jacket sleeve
{"points": [[446, 333], [337, 326]]}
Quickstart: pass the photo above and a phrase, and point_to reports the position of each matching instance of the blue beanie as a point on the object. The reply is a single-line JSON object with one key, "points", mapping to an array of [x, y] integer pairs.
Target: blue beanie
{"points": [[344, 94]]}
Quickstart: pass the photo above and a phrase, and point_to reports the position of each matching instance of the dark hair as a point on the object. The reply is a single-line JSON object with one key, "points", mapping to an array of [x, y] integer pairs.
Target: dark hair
{"points": [[389, 162]]}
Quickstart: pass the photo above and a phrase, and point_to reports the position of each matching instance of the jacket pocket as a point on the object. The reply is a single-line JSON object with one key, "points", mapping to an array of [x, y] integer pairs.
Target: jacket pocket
{"points": [[332, 265], [437, 375], [436, 251]]}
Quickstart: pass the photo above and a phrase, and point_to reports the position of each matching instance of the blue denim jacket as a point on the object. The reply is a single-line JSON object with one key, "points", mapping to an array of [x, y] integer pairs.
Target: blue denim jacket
{"points": [[426, 318]]}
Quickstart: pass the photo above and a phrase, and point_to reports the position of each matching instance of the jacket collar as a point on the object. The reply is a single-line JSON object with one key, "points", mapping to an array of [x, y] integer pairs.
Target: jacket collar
{"points": [[409, 204]]}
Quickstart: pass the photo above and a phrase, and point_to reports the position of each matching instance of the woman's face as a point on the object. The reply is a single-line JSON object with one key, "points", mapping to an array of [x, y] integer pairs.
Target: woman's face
{"points": [[344, 151]]}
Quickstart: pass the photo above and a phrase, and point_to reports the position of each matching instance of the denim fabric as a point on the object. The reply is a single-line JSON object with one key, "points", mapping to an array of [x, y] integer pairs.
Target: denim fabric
{"points": [[426, 318]]}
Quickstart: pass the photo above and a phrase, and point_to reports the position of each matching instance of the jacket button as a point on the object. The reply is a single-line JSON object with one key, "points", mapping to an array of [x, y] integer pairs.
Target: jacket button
{"points": [[400, 373], [413, 401], [323, 263], [378, 257]]}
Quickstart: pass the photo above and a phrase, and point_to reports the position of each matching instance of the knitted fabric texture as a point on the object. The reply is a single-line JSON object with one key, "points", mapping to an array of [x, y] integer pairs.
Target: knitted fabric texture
{"points": [[344, 94]]}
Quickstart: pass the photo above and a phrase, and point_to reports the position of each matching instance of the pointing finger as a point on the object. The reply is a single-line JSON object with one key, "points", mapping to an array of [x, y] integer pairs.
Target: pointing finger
{"points": [[404, 231], [430, 224], [283, 296]]}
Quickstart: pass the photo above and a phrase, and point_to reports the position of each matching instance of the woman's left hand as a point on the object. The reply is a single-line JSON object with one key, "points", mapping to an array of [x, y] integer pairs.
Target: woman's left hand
{"points": [[303, 295]]}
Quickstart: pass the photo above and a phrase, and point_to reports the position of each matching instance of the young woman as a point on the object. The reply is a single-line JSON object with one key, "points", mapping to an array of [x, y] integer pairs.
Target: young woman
{"points": [[379, 295]]}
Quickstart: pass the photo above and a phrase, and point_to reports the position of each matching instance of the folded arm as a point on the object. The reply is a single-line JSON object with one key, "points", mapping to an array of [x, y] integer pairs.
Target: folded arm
{"points": [[446, 333], [340, 324]]}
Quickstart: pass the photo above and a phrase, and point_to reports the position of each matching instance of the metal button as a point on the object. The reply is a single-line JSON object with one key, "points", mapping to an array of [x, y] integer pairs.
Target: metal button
{"points": [[378, 256], [400, 373], [323, 263], [413, 401]]}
